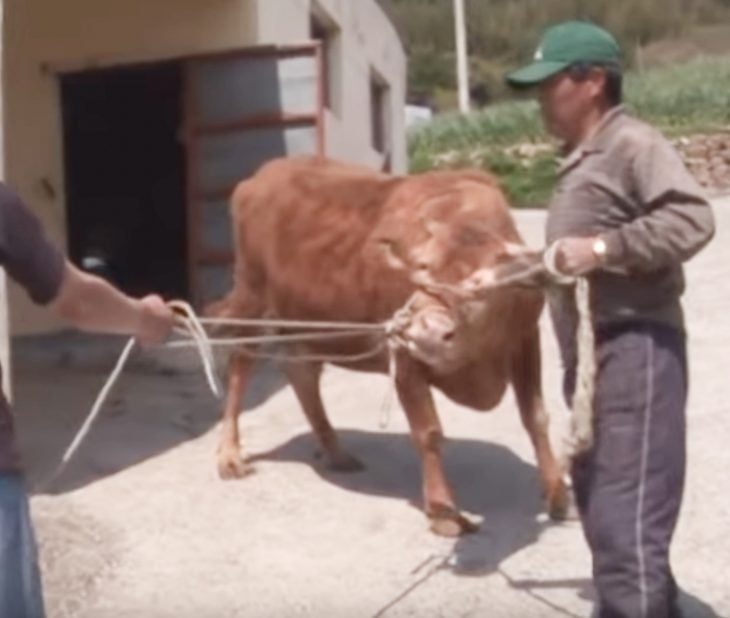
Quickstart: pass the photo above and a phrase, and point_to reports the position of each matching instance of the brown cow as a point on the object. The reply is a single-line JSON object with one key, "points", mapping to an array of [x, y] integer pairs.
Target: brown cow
{"points": [[319, 240]]}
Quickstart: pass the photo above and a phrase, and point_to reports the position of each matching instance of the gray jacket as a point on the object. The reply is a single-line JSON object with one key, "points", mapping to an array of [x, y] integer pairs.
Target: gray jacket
{"points": [[628, 184]]}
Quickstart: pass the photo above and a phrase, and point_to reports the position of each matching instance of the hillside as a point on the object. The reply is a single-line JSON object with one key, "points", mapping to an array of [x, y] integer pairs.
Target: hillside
{"points": [[501, 33], [690, 102]]}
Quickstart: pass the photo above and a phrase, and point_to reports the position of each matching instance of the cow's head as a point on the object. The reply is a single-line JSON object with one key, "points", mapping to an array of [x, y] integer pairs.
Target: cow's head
{"points": [[464, 241]]}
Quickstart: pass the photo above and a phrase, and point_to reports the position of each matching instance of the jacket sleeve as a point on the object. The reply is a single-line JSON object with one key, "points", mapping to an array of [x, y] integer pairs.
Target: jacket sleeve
{"points": [[675, 220]]}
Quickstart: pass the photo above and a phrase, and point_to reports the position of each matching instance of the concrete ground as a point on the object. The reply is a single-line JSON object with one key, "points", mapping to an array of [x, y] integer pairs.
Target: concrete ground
{"points": [[140, 525]]}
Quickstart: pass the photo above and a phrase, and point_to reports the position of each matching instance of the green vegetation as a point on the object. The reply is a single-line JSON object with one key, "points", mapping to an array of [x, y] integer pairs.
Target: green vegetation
{"points": [[690, 97], [502, 33], [508, 139]]}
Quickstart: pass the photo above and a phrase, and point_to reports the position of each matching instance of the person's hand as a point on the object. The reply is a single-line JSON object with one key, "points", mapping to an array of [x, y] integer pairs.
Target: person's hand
{"points": [[576, 257], [156, 320]]}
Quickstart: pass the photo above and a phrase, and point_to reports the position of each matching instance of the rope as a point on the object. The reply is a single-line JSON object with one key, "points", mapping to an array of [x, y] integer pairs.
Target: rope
{"points": [[363, 327], [263, 339], [581, 421], [342, 330], [190, 325], [193, 326], [320, 358], [580, 436], [83, 432], [387, 406]]}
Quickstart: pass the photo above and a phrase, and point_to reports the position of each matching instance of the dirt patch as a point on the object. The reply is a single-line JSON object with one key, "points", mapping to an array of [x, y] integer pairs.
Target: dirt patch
{"points": [[76, 551], [708, 158]]}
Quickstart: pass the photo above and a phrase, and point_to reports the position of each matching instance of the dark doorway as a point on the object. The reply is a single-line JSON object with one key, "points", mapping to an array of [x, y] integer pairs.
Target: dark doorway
{"points": [[125, 176]]}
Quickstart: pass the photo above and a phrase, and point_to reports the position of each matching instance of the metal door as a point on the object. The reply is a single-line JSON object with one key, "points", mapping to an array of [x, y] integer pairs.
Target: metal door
{"points": [[242, 109]]}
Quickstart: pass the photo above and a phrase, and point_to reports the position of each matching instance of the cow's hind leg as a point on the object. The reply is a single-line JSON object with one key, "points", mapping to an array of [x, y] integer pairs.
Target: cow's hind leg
{"points": [[417, 401], [526, 381], [231, 463], [304, 378], [242, 302]]}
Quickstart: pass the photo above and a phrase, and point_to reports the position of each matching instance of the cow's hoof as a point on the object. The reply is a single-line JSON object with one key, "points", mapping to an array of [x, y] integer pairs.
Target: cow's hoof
{"points": [[561, 506], [232, 466], [344, 462], [451, 523]]}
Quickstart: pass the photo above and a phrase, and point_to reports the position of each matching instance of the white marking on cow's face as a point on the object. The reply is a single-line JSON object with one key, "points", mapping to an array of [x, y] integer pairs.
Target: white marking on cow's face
{"points": [[444, 338], [432, 336], [479, 282], [421, 278], [517, 265]]}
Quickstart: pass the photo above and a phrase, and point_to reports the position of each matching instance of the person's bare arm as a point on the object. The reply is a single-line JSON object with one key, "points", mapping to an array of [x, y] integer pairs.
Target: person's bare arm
{"points": [[91, 304]]}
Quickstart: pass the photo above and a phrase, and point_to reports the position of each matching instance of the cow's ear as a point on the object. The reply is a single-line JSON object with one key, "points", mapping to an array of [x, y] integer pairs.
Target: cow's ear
{"points": [[393, 254], [513, 249]]}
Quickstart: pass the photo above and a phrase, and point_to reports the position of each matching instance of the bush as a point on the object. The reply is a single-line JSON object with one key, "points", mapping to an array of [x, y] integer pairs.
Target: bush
{"points": [[689, 98]]}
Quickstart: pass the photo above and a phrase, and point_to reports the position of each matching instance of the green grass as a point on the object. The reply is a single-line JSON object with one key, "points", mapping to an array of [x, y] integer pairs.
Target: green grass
{"points": [[692, 97], [504, 124], [680, 100]]}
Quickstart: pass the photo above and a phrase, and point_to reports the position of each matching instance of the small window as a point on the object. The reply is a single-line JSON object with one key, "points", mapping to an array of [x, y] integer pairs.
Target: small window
{"points": [[379, 105], [326, 31]]}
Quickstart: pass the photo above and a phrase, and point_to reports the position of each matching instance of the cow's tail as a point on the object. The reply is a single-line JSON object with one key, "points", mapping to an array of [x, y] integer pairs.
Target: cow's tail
{"points": [[244, 300]]}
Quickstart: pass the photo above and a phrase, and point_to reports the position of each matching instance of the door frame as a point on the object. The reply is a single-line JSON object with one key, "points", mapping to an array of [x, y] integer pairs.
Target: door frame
{"points": [[194, 130]]}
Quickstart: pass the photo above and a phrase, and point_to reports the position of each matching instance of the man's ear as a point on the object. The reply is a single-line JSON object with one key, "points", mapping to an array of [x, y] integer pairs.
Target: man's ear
{"points": [[597, 78]]}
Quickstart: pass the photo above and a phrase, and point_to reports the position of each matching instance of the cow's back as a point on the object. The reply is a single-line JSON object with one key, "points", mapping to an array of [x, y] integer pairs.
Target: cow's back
{"points": [[309, 233], [303, 229]]}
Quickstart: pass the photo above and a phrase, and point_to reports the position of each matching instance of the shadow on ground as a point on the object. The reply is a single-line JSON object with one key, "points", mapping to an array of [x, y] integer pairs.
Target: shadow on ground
{"points": [[159, 402], [489, 480], [538, 589]]}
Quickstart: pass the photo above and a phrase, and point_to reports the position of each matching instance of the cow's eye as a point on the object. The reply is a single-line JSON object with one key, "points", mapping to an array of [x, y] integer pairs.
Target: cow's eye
{"points": [[471, 236]]}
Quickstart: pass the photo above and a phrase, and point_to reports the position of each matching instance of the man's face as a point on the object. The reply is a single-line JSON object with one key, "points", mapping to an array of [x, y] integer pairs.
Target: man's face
{"points": [[565, 102]]}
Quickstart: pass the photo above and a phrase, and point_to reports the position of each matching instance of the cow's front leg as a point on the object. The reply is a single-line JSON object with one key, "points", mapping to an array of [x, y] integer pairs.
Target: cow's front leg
{"points": [[230, 462], [526, 374], [415, 397]]}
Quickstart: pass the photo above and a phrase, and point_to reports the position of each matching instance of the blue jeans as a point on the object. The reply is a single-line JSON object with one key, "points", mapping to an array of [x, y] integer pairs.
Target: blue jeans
{"points": [[20, 583]]}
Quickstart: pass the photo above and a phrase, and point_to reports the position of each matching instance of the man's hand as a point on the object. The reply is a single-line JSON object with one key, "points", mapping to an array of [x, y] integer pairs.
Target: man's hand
{"points": [[156, 320], [576, 257]]}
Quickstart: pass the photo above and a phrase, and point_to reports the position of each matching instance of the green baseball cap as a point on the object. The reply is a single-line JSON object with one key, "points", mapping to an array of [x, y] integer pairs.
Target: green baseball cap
{"points": [[563, 45]]}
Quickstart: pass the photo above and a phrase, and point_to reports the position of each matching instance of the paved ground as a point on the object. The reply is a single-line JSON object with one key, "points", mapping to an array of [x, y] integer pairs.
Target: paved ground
{"points": [[141, 526]]}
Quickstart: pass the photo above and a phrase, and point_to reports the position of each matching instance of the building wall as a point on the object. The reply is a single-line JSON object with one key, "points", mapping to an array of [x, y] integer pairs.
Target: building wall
{"points": [[367, 41], [43, 37]]}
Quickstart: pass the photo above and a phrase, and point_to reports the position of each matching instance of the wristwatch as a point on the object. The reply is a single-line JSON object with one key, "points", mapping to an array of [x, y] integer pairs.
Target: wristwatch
{"points": [[599, 249]]}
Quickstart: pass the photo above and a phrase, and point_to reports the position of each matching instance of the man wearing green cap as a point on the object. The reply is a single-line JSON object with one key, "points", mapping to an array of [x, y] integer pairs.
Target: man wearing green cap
{"points": [[626, 214]]}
